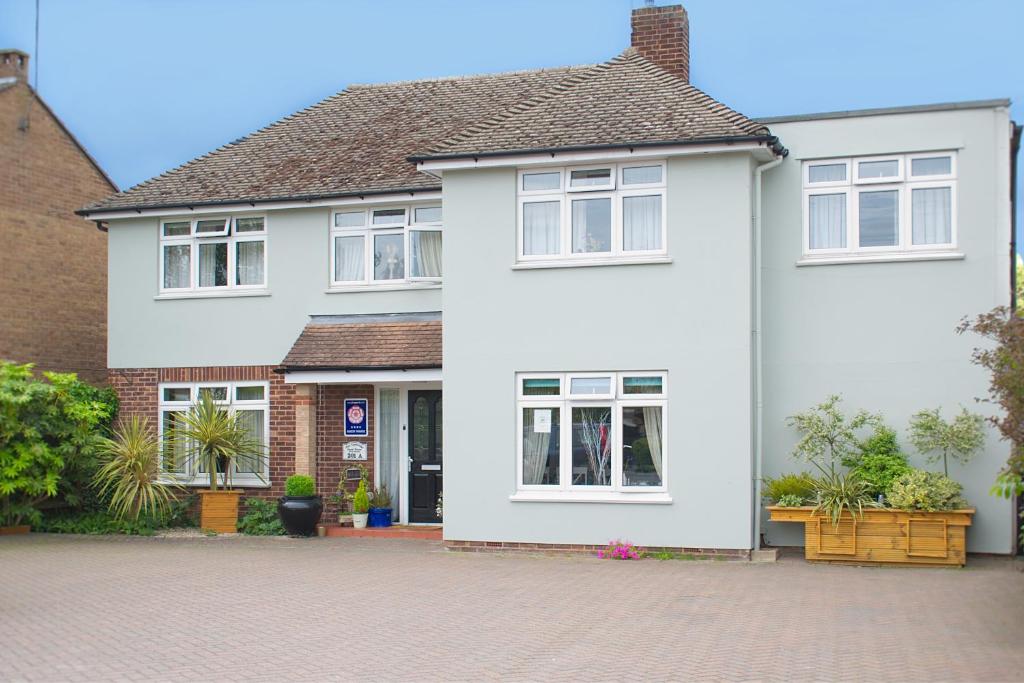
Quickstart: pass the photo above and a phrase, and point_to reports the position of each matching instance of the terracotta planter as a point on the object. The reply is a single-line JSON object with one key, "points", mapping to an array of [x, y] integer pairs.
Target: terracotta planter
{"points": [[15, 530], [219, 511], [883, 536]]}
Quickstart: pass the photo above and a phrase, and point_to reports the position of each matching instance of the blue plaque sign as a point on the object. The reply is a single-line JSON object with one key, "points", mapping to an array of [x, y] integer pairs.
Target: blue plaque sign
{"points": [[356, 417]]}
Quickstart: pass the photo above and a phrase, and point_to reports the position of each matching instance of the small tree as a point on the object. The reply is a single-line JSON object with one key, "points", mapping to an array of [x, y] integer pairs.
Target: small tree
{"points": [[829, 438], [934, 437], [129, 478], [214, 439]]}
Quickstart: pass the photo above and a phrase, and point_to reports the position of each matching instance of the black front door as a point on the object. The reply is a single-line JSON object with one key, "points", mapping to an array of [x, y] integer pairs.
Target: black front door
{"points": [[425, 462]]}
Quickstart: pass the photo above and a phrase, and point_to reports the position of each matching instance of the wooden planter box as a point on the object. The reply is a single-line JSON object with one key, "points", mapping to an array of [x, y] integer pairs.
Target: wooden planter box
{"points": [[882, 536], [219, 511], [15, 530]]}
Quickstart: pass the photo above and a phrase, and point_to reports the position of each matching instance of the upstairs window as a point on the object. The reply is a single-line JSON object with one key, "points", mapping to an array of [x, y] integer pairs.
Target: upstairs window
{"points": [[864, 206], [212, 254], [591, 213], [386, 246]]}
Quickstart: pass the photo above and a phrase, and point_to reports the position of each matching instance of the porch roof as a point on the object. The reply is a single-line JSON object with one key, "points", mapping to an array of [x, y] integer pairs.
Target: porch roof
{"points": [[367, 342]]}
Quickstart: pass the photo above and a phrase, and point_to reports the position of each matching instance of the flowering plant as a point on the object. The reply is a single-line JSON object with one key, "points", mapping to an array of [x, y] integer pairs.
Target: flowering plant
{"points": [[619, 550]]}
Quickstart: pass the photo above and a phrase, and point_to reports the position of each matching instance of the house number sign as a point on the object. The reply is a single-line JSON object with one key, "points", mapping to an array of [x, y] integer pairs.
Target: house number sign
{"points": [[354, 450], [356, 417]]}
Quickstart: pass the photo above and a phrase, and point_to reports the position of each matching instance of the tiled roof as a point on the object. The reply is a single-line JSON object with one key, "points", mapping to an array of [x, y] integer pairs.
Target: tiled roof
{"points": [[355, 141], [628, 100], [366, 345]]}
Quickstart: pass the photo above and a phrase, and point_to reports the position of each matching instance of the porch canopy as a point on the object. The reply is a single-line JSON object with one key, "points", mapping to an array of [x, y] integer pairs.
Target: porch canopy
{"points": [[404, 347]]}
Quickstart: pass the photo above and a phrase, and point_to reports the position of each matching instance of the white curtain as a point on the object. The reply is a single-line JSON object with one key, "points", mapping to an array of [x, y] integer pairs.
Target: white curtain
{"points": [[535, 447], [540, 228], [932, 220], [390, 456], [253, 421], [213, 264], [249, 263], [827, 221], [348, 258], [641, 223], [652, 424], [177, 262], [591, 225], [426, 260]]}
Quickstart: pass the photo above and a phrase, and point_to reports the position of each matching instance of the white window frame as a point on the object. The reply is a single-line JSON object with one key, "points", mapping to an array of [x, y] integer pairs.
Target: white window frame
{"points": [[565, 490], [616, 190], [368, 231], [199, 479], [904, 184], [228, 236]]}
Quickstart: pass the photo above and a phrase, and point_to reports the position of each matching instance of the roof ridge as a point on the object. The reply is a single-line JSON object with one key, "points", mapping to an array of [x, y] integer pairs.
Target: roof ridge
{"points": [[467, 77]]}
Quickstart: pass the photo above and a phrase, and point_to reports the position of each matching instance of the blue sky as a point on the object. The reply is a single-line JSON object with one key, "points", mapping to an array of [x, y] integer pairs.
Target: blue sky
{"points": [[149, 84]]}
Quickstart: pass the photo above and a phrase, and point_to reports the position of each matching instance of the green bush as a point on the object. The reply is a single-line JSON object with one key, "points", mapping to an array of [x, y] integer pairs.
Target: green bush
{"points": [[880, 461], [299, 486], [360, 501], [838, 493], [102, 521], [260, 518], [930, 491], [380, 498], [49, 431], [798, 485], [790, 501]]}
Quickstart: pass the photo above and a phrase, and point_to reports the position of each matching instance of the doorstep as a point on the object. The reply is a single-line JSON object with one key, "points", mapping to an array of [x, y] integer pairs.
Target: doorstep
{"points": [[426, 533]]}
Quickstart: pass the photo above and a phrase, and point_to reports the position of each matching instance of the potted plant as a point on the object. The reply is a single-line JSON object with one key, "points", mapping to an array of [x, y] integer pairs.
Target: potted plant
{"points": [[380, 508], [360, 506], [213, 440], [300, 507]]}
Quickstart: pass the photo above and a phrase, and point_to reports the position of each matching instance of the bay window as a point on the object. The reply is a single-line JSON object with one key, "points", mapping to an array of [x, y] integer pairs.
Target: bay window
{"points": [[871, 206], [584, 434], [385, 246], [213, 254], [592, 213]]}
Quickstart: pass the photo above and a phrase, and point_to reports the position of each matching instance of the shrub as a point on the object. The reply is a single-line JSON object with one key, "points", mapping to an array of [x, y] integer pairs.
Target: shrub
{"points": [[214, 438], [300, 486], [930, 491], [619, 550], [962, 438], [790, 501], [360, 501], [380, 498], [260, 519], [828, 436], [95, 522], [838, 493], [794, 485], [130, 476], [880, 460], [48, 436]]}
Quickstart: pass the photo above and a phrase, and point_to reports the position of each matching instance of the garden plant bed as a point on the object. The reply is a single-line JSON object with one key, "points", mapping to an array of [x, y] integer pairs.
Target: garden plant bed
{"points": [[883, 536]]}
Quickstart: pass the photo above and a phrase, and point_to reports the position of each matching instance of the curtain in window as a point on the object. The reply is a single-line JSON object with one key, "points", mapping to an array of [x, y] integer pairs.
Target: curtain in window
{"points": [[652, 424], [426, 253], [827, 221], [213, 265], [253, 421], [591, 225], [173, 450], [932, 218], [641, 223], [177, 262], [540, 228], [390, 456], [535, 449], [249, 263], [348, 258]]}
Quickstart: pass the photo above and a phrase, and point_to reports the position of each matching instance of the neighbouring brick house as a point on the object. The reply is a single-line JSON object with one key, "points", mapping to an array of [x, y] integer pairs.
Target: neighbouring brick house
{"points": [[53, 264], [639, 285]]}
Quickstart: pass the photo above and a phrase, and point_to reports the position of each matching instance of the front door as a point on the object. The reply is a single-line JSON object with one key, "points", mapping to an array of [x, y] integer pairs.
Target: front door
{"points": [[425, 462]]}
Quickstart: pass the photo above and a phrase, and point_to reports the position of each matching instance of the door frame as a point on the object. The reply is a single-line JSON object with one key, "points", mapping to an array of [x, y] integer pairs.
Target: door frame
{"points": [[403, 441]]}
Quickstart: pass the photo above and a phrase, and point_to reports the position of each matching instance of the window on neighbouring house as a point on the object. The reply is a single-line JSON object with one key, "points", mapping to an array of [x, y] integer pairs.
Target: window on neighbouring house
{"points": [[902, 203], [581, 214], [386, 246], [591, 432], [213, 254]]}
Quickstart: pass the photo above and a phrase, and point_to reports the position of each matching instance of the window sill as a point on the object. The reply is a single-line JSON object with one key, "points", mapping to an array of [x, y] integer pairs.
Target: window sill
{"points": [[341, 289], [583, 263], [619, 497], [200, 482], [226, 294], [841, 259]]}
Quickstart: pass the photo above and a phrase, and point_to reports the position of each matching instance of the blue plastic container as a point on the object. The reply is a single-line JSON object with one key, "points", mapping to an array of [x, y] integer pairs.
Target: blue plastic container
{"points": [[379, 517]]}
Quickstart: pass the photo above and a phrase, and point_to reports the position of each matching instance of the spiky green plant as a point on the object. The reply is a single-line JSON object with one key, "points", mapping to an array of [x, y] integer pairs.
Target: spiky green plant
{"points": [[839, 492], [129, 476], [213, 439]]}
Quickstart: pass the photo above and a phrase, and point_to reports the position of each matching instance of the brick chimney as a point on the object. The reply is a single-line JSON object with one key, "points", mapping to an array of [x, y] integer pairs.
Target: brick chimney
{"points": [[662, 35], [13, 64]]}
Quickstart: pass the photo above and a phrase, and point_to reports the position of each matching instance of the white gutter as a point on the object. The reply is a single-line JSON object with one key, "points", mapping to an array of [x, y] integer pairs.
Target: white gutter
{"points": [[758, 344]]}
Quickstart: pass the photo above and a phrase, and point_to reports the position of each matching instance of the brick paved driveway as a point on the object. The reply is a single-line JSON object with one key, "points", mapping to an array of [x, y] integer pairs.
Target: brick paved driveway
{"points": [[76, 608]]}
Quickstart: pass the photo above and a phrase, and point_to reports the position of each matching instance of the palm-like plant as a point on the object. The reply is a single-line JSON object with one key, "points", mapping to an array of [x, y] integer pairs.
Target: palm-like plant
{"points": [[213, 439], [130, 471]]}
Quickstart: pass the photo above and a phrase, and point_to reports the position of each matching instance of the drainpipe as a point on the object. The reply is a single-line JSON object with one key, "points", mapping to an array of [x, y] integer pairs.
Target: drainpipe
{"points": [[759, 345]]}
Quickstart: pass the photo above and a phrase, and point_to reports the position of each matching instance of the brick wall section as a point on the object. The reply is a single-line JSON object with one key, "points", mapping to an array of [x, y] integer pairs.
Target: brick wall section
{"points": [[53, 264], [662, 35], [330, 417]]}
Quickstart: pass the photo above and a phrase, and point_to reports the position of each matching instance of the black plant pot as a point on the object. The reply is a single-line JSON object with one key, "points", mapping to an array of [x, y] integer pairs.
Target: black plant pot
{"points": [[300, 514]]}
